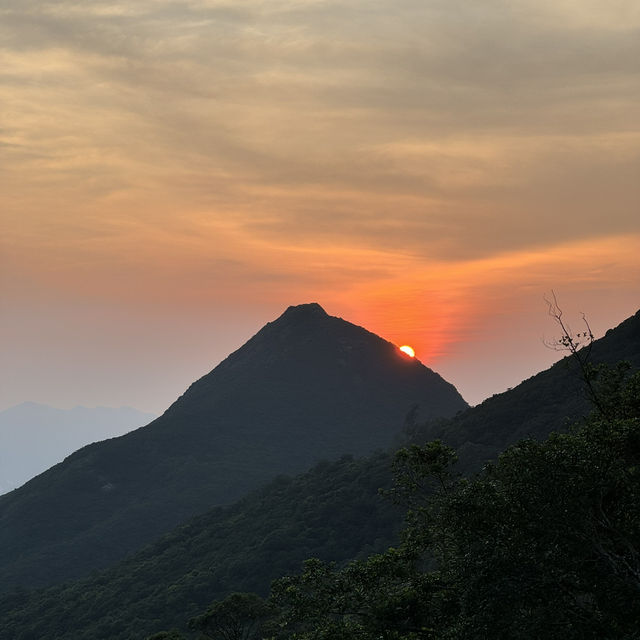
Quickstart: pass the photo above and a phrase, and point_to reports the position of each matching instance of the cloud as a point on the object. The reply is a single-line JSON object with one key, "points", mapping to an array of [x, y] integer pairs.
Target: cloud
{"points": [[441, 130]]}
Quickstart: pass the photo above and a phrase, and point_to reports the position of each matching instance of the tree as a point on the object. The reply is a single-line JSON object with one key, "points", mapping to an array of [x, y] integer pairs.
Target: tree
{"points": [[240, 616], [546, 541], [385, 597], [578, 345]]}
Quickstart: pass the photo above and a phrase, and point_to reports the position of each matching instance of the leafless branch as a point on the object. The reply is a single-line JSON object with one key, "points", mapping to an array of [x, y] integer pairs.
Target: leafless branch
{"points": [[578, 345]]}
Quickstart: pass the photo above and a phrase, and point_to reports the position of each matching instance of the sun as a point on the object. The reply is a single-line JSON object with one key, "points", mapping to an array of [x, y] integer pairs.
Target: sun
{"points": [[408, 350]]}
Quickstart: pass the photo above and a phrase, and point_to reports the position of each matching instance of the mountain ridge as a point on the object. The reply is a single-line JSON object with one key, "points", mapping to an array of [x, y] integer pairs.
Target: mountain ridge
{"points": [[545, 402], [36, 436]]}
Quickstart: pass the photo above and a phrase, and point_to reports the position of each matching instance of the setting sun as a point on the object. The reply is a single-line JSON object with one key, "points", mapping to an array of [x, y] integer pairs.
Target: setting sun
{"points": [[408, 350]]}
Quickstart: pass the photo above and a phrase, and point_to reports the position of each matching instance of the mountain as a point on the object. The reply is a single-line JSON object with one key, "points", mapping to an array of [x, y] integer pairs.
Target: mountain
{"points": [[546, 402], [307, 387], [35, 436], [332, 512]]}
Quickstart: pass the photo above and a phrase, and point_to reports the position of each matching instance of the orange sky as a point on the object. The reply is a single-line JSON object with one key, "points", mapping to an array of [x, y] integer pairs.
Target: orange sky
{"points": [[174, 175]]}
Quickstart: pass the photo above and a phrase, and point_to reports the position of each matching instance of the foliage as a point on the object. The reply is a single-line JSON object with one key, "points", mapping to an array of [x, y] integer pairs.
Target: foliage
{"points": [[543, 543], [334, 512], [550, 533], [240, 616], [386, 597]]}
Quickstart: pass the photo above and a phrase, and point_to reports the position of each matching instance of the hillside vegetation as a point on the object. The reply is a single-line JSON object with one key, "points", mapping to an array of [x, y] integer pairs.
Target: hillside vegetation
{"points": [[543, 543], [333, 512]]}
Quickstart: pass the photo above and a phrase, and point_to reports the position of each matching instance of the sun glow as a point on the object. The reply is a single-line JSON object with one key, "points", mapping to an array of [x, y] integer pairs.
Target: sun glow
{"points": [[408, 350]]}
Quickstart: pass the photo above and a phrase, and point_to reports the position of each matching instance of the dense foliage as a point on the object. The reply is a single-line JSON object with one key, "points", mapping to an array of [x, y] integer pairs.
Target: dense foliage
{"points": [[544, 543], [332, 512]]}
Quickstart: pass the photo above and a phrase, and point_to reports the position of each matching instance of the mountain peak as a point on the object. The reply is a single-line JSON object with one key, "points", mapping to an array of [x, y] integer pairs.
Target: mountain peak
{"points": [[304, 311]]}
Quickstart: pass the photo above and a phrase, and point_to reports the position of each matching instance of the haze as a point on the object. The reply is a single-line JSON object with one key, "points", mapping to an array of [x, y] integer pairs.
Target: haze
{"points": [[174, 175]]}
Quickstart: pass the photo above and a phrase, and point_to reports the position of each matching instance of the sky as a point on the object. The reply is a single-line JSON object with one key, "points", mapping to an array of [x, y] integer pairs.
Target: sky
{"points": [[175, 174]]}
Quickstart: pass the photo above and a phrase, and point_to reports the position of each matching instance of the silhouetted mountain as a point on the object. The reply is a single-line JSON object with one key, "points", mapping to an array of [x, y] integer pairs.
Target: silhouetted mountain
{"points": [[546, 402], [331, 512], [306, 387], [35, 436]]}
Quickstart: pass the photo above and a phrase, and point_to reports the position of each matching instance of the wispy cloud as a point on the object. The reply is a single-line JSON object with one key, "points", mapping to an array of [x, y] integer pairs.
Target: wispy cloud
{"points": [[461, 107]]}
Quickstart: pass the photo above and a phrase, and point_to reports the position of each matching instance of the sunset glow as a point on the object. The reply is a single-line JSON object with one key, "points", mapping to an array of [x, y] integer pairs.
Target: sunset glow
{"points": [[175, 175], [408, 350]]}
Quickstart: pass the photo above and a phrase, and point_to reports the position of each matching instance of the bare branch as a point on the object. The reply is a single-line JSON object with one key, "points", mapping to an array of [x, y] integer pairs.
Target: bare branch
{"points": [[578, 345], [568, 340]]}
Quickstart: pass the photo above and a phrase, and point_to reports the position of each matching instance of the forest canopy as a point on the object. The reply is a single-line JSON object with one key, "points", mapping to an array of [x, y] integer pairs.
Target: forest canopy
{"points": [[545, 542]]}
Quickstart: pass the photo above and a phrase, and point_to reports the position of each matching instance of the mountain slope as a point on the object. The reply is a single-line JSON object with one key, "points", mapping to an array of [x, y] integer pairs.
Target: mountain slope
{"points": [[35, 436], [546, 402], [306, 387], [331, 512]]}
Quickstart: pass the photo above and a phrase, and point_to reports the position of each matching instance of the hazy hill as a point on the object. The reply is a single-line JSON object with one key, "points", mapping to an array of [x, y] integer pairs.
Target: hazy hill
{"points": [[306, 387], [35, 436], [332, 512]]}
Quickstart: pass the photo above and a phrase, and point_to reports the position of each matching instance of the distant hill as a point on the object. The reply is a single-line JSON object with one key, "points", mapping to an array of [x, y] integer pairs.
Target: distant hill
{"points": [[35, 436], [307, 387]]}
